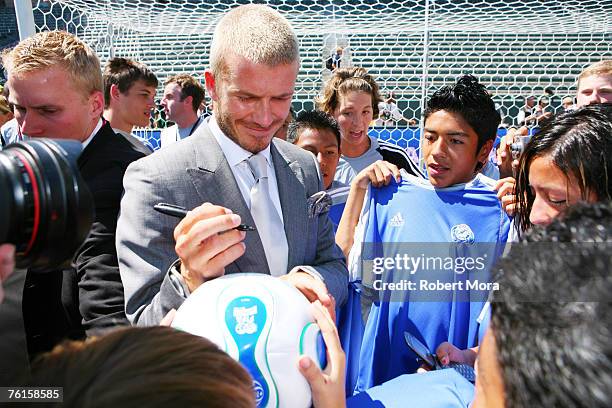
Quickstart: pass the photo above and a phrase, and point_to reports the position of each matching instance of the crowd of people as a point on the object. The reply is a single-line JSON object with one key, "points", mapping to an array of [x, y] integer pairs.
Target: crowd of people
{"points": [[533, 321]]}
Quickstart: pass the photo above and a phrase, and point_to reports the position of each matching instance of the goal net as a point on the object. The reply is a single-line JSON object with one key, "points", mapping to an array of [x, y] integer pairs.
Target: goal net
{"points": [[517, 48]]}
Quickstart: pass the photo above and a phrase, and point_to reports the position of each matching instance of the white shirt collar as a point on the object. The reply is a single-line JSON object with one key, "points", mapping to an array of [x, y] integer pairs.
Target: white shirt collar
{"points": [[122, 132], [234, 154], [96, 129]]}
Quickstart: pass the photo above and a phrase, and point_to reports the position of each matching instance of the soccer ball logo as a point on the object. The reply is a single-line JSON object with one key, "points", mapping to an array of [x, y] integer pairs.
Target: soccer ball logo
{"points": [[259, 392], [462, 233], [245, 319]]}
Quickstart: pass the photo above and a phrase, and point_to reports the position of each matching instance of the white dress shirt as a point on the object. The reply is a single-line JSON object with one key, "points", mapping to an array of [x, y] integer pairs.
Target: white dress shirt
{"points": [[88, 140], [236, 157]]}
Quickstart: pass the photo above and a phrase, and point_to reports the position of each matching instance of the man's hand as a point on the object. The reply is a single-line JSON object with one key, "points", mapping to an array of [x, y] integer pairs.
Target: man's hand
{"points": [[327, 386], [378, 174], [313, 288], [206, 243], [7, 264], [505, 194]]}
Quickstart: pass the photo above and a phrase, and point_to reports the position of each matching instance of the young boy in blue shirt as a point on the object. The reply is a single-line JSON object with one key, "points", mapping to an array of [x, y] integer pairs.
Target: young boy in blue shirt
{"points": [[423, 248]]}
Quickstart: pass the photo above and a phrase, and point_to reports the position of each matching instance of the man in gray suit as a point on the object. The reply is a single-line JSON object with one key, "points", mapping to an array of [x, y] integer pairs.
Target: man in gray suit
{"points": [[254, 64]]}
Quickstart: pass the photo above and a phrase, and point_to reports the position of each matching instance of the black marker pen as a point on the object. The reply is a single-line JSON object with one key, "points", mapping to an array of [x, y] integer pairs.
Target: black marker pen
{"points": [[181, 212]]}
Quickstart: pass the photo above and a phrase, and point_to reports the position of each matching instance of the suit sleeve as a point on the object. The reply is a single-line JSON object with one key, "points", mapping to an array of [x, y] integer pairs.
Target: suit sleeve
{"points": [[100, 291], [99, 284], [328, 264], [145, 247]]}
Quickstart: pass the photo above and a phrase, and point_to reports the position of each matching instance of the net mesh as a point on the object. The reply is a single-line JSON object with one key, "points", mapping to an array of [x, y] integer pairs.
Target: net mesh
{"points": [[517, 48]]}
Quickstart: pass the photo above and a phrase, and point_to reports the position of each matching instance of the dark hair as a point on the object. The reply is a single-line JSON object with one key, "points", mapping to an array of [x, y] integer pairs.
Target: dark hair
{"points": [[470, 99], [315, 119], [579, 143], [189, 87], [124, 72], [137, 367], [345, 80], [557, 353]]}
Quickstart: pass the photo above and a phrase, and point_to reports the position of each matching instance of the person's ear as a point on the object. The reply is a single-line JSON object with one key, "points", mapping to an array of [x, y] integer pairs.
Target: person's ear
{"points": [[114, 91], [96, 100], [210, 82], [484, 151]]}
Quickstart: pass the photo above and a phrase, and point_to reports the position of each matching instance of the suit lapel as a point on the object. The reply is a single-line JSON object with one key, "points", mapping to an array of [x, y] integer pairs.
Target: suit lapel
{"points": [[290, 180], [215, 183]]}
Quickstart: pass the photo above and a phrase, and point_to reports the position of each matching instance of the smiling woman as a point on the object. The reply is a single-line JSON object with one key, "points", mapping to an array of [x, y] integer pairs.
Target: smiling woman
{"points": [[351, 96]]}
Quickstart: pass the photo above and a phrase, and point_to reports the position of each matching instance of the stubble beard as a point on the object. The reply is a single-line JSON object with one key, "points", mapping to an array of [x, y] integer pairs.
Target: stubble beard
{"points": [[224, 121]]}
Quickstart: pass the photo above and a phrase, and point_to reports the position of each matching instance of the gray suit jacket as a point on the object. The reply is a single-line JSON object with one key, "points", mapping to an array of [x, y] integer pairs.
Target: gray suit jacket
{"points": [[194, 171]]}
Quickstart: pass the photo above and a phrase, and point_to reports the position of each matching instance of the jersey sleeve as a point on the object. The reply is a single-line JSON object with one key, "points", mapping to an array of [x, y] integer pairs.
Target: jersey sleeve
{"points": [[399, 156], [354, 258]]}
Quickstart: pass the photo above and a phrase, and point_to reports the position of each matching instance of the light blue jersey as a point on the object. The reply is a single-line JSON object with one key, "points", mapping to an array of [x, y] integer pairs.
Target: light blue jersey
{"points": [[348, 316], [427, 253]]}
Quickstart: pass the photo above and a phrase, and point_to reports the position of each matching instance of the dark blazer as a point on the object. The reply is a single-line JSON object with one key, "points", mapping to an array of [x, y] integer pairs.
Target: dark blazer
{"points": [[88, 296]]}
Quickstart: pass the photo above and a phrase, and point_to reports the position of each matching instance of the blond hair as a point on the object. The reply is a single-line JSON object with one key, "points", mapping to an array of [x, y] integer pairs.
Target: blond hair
{"points": [[345, 80], [255, 32], [56, 48], [601, 68]]}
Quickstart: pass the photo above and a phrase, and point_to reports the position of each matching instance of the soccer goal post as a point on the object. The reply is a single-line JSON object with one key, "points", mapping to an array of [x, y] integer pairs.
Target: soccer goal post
{"points": [[517, 48]]}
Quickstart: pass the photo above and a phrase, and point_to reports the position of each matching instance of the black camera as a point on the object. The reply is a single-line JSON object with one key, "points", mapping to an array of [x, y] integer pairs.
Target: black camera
{"points": [[46, 209]]}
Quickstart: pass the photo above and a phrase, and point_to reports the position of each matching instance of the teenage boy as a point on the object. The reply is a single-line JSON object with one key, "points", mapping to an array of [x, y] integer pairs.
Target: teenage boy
{"points": [[443, 222], [129, 92], [318, 132]]}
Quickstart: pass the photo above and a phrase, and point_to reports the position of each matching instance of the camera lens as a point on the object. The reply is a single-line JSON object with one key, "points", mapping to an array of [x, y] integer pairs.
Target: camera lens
{"points": [[46, 209]]}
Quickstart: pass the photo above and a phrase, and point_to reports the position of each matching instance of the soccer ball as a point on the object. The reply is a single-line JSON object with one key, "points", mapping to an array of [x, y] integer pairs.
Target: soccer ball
{"points": [[262, 322]]}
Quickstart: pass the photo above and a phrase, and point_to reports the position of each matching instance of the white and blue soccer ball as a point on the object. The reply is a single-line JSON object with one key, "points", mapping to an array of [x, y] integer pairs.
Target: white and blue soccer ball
{"points": [[262, 322]]}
